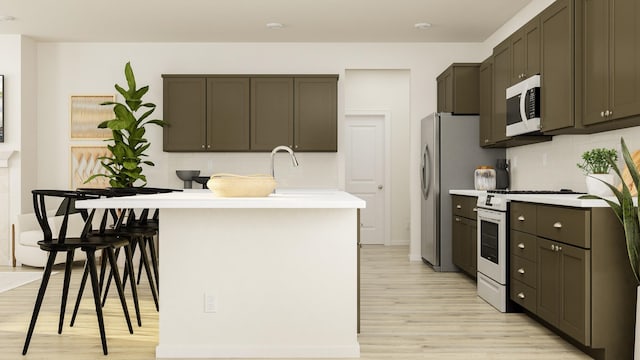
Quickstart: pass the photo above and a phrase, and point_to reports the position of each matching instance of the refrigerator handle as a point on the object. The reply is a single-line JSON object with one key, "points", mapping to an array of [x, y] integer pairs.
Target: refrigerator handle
{"points": [[425, 173]]}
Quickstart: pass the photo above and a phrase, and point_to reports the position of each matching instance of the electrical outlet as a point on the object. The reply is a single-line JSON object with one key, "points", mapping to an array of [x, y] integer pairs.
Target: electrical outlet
{"points": [[210, 303]]}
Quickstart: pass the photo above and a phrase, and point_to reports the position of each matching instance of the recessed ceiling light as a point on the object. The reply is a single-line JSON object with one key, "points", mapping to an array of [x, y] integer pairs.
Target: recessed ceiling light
{"points": [[422, 25], [7, 18], [275, 25]]}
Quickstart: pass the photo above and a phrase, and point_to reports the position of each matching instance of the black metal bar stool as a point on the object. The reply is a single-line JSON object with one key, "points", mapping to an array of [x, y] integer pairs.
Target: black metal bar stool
{"points": [[68, 244]]}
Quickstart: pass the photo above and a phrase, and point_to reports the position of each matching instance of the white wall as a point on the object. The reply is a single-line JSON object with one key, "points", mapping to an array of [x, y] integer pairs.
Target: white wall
{"points": [[388, 90], [66, 69]]}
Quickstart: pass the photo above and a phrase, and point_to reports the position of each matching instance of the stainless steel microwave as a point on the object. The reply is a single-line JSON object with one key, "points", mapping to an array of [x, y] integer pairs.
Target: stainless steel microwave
{"points": [[523, 107]]}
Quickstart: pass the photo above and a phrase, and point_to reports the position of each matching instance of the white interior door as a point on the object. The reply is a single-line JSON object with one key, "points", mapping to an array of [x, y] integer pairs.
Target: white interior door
{"points": [[365, 174]]}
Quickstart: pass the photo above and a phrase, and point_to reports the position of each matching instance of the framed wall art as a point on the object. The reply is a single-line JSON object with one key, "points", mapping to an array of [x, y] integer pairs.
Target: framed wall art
{"points": [[87, 114], [85, 161], [1, 108]]}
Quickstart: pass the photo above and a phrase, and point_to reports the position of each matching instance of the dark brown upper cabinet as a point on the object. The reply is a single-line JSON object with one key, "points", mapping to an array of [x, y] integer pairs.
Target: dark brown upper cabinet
{"points": [[271, 112], [525, 51], [185, 111], [229, 113], [557, 67], [611, 64], [315, 114], [501, 81], [486, 102], [458, 88], [206, 114]]}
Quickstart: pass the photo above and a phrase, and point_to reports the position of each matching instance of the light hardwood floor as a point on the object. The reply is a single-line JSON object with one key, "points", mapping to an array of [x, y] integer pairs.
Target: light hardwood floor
{"points": [[408, 312]]}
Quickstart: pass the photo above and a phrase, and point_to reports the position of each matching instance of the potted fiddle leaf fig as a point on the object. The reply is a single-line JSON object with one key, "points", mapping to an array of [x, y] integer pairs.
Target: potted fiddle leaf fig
{"points": [[626, 211], [596, 167], [124, 166]]}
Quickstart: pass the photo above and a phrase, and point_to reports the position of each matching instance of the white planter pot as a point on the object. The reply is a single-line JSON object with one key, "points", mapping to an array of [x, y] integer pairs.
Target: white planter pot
{"points": [[595, 185]]}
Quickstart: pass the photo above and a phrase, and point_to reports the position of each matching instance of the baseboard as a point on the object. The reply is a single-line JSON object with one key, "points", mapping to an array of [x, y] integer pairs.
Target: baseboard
{"points": [[198, 351]]}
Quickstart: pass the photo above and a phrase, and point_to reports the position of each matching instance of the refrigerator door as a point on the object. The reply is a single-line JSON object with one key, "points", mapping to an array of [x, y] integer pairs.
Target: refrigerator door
{"points": [[429, 240]]}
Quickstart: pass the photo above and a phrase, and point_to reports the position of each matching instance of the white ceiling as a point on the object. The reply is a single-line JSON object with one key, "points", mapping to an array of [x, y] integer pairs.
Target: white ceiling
{"points": [[245, 20]]}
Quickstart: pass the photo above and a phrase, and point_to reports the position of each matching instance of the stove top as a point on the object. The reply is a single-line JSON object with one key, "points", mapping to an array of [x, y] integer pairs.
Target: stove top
{"points": [[541, 192]]}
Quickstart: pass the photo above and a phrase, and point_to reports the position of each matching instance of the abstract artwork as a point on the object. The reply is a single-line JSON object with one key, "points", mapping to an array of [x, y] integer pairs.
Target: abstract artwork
{"points": [[87, 114], [84, 163]]}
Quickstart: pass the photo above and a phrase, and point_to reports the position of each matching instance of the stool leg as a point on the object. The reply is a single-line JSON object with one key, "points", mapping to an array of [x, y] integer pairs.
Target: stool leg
{"points": [[116, 278], [154, 260], [36, 309], [83, 282], [91, 260], [65, 288], [134, 291], [145, 260], [108, 285]]}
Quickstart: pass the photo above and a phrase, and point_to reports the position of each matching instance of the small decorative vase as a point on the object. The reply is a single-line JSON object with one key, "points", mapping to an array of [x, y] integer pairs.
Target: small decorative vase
{"points": [[595, 185]]}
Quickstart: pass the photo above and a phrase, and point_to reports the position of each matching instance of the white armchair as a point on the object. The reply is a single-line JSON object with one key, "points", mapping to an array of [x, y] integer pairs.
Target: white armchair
{"points": [[28, 233]]}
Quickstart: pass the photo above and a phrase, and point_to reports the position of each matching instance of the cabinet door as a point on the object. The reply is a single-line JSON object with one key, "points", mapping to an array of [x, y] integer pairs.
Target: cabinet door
{"points": [[501, 81], [315, 114], [575, 307], [624, 58], [518, 56], [184, 110], [445, 91], [548, 268], [271, 112], [486, 101], [228, 114], [531, 35], [464, 248], [595, 77], [557, 105]]}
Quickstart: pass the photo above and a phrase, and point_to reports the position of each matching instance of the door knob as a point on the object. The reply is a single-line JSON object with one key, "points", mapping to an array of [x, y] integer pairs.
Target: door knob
{"points": [[380, 187]]}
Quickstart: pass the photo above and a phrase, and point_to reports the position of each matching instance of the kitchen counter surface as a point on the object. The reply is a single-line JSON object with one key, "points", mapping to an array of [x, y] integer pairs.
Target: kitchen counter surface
{"points": [[205, 199], [571, 200]]}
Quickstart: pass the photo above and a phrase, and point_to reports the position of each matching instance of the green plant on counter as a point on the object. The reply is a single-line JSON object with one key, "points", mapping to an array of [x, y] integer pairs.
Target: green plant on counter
{"points": [[124, 166], [624, 208], [596, 161]]}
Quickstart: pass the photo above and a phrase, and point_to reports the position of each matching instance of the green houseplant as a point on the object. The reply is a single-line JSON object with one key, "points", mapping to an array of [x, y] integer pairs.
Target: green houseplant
{"points": [[595, 164], [124, 166]]}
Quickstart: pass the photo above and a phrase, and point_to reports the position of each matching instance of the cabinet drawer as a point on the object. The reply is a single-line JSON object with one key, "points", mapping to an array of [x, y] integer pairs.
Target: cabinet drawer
{"points": [[464, 206], [524, 270], [524, 295], [523, 217], [523, 245], [567, 225]]}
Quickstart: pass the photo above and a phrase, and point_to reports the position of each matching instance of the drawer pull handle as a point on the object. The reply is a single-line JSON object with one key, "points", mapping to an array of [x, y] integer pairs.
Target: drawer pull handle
{"points": [[520, 218], [458, 206], [558, 225], [558, 248], [475, 209], [521, 271], [521, 245], [553, 247], [458, 219], [521, 295]]}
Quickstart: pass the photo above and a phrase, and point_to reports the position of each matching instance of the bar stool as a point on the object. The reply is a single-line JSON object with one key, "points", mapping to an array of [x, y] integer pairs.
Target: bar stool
{"points": [[63, 243]]}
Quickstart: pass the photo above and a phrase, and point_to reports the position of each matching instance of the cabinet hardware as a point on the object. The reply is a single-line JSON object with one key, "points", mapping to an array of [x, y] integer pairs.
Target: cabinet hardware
{"points": [[521, 271], [558, 225], [610, 113], [520, 218], [203, 146], [458, 219], [521, 295], [558, 248], [553, 247], [380, 187], [486, 141], [601, 113], [521, 245], [475, 210], [458, 206], [208, 146]]}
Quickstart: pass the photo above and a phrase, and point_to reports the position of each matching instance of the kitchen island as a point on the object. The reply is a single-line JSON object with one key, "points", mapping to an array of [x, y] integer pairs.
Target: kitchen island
{"points": [[255, 277]]}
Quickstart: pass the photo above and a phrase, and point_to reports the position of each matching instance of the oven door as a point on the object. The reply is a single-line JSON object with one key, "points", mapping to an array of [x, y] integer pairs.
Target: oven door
{"points": [[492, 244]]}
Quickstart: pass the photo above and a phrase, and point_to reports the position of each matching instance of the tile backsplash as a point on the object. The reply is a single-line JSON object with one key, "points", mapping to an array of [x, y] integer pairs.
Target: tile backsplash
{"points": [[552, 165]]}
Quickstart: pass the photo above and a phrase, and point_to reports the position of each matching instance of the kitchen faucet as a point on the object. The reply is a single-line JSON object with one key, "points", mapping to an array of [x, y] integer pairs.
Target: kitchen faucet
{"points": [[284, 148]]}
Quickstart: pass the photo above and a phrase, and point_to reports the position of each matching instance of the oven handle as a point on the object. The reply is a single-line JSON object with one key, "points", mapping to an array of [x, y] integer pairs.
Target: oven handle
{"points": [[491, 215]]}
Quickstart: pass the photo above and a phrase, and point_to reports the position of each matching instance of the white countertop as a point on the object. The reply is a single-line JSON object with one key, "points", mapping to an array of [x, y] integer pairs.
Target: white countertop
{"points": [[551, 199], [204, 199]]}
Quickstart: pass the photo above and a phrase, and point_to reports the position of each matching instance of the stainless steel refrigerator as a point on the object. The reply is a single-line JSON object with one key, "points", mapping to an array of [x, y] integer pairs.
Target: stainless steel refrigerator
{"points": [[450, 155]]}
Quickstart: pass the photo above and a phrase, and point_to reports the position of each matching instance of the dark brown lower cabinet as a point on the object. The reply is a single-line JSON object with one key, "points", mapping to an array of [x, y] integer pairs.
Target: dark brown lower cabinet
{"points": [[563, 291], [464, 244]]}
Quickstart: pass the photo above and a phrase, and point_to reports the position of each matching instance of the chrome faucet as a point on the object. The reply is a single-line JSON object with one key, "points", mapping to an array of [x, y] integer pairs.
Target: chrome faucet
{"points": [[284, 148]]}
